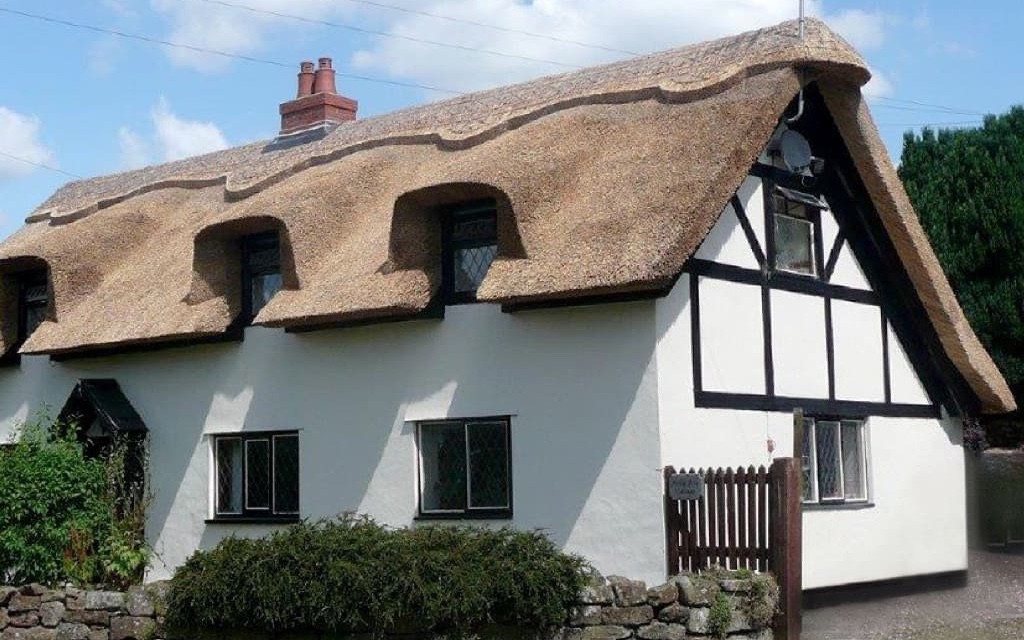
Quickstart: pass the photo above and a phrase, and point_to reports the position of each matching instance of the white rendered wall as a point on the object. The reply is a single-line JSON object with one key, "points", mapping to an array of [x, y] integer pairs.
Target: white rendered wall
{"points": [[580, 385]]}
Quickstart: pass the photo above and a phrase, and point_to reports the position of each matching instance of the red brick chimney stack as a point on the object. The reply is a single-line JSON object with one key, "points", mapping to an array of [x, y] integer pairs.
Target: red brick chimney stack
{"points": [[305, 80], [317, 102]]}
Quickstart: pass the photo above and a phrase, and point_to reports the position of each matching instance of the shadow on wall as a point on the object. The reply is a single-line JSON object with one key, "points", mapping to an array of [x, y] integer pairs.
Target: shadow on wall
{"points": [[579, 384]]}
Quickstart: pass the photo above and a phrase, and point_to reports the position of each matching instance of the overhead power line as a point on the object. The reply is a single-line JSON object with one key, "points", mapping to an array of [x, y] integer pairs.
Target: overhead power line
{"points": [[962, 123], [224, 54], [929, 105], [495, 27], [388, 34], [39, 164]]}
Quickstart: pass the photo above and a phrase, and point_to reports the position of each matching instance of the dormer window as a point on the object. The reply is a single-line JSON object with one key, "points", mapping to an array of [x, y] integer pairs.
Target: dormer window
{"points": [[261, 271], [470, 246], [796, 216], [32, 302]]}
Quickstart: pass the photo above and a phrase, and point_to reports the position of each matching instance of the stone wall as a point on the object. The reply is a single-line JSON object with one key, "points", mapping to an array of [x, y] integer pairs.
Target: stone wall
{"points": [[611, 608], [617, 608], [34, 612]]}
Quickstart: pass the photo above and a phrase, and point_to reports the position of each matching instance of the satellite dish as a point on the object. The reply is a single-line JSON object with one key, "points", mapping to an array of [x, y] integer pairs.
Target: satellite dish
{"points": [[795, 150]]}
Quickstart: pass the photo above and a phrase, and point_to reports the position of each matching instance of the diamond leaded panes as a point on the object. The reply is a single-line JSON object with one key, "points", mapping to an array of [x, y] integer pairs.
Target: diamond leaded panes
{"points": [[257, 475], [471, 266], [827, 444], [472, 245], [834, 461], [488, 465], [464, 467]]}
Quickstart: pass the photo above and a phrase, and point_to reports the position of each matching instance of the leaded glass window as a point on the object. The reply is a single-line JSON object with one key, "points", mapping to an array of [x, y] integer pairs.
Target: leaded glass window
{"points": [[33, 300], [794, 217], [257, 475], [261, 270], [465, 467], [834, 461], [471, 245]]}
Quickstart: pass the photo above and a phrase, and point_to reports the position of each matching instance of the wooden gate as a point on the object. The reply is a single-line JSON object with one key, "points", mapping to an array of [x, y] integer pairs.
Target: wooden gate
{"points": [[749, 519]]}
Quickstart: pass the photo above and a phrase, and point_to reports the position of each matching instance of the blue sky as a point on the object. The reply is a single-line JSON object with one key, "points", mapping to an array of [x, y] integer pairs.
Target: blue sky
{"points": [[91, 103]]}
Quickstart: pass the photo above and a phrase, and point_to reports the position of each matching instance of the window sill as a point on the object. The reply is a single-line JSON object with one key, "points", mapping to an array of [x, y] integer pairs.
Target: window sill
{"points": [[504, 514], [253, 520], [838, 506]]}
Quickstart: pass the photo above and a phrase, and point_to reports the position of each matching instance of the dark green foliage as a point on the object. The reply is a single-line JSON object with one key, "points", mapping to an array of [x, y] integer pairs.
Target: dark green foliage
{"points": [[59, 515], [967, 186], [352, 575]]}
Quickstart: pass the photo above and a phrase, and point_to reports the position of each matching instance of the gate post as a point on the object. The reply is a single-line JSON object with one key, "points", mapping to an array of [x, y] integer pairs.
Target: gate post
{"points": [[671, 526], [785, 541]]}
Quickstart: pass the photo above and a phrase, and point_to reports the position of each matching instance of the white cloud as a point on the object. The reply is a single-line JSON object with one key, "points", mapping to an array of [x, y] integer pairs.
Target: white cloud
{"points": [[230, 29], [645, 26], [878, 87], [19, 136], [135, 152], [179, 138], [173, 138], [863, 29]]}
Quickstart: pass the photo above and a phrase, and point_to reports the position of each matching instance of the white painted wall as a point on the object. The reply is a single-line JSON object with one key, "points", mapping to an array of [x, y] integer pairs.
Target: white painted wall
{"points": [[732, 336], [580, 384], [799, 349], [857, 344]]}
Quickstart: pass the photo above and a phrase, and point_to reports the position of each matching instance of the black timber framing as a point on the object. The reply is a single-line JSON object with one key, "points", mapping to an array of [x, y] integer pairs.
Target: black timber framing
{"points": [[865, 233], [861, 229]]}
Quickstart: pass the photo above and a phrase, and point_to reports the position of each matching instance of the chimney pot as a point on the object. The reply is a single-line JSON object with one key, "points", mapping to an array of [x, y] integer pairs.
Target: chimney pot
{"points": [[306, 77], [324, 78]]}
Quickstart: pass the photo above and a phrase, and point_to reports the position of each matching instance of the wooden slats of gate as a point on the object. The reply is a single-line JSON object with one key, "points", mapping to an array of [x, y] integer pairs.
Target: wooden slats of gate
{"points": [[748, 519], [728, 527]]}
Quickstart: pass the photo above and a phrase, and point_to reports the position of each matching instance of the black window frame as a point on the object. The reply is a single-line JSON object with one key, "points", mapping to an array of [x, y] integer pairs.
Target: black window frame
{"points": [[254, 515], [26, 281], [469, 512], [812, 201], [480, 209], [816, 501], [251, 244]]}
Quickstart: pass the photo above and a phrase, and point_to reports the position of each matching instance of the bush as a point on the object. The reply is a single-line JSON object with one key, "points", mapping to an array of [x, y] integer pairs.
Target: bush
{"points": [[353, 575], [62, 515]]}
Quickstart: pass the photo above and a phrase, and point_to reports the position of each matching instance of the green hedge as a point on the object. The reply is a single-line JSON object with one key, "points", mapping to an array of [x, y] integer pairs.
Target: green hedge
{"points": [[353, 575]]}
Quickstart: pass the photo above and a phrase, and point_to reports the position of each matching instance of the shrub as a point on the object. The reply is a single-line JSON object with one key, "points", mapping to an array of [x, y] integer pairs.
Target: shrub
{"points": [[719, 617], [353, 575], [62, 517]]}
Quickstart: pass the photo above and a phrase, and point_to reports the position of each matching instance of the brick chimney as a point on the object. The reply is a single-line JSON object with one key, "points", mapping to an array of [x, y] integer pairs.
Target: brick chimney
{"points": [[317, 102]]}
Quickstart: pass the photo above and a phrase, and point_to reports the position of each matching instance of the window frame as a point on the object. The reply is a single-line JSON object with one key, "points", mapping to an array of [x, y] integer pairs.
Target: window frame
{"points": [[811, 430], [813, 204], [469, 512], [250, 245], [483, 208], [253, 514], [30, 280]]}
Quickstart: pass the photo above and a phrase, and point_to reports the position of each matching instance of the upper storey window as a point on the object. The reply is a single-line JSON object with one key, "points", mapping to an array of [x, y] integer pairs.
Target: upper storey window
{"points": [[32, 302], [795, 218], [470, 246], [261, 271]]}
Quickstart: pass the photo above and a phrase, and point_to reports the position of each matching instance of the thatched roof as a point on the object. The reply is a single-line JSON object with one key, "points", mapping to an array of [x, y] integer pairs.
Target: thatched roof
{"points": [[607, 181]]}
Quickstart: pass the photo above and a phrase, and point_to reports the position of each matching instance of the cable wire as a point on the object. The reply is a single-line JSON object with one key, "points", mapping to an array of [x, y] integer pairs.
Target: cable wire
{"points": [[388, 34], [40, 165], [523, 32], [224, 54]]}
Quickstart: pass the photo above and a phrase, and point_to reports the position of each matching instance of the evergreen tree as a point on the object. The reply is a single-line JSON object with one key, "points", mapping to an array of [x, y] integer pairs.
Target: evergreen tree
{"points": [[967, 186]]}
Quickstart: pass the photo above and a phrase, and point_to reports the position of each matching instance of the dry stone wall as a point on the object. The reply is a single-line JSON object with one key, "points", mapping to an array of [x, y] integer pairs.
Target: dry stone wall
{"points": [[617, 608], [34, 612], [613, 608]]}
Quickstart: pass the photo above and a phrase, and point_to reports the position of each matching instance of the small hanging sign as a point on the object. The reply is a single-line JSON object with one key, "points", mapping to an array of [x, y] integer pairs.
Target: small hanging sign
{"points": [[686, 486]]}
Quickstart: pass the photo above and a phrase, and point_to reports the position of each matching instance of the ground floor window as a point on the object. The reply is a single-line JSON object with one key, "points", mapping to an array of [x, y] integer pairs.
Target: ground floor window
{"points": [[834, 461], [256, 475], [465, 468]]}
